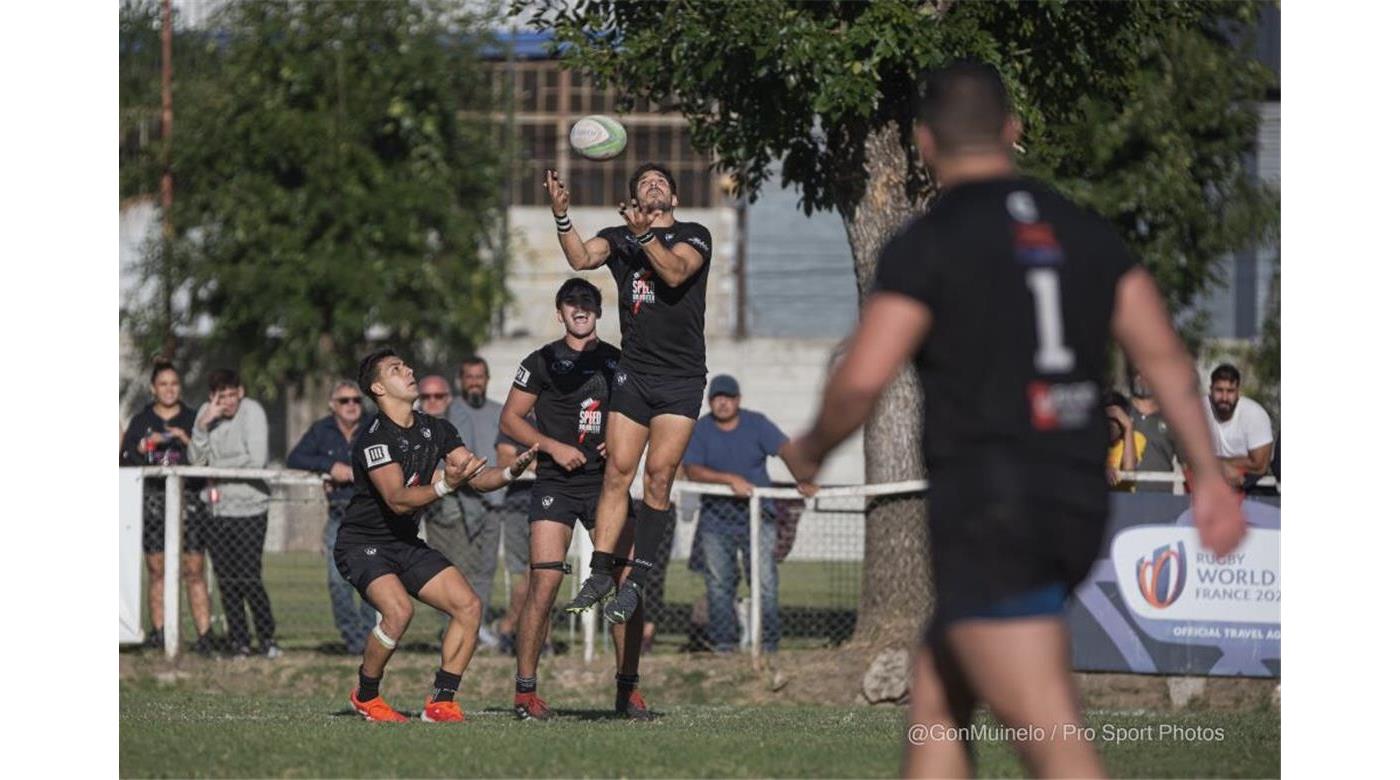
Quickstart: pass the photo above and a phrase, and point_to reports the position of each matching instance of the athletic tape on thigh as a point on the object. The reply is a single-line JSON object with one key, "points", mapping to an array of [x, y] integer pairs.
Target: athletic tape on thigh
{"points": [[556, 565], [384, 639]]}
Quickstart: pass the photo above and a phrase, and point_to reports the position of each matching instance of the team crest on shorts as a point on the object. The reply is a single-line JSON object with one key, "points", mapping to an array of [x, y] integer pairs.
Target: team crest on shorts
{"points": [[547, 501], [371, 550]]}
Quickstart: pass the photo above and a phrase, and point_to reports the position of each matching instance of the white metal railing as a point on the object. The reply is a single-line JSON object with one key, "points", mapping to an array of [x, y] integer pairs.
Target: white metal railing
{"points": [[174, 477]]}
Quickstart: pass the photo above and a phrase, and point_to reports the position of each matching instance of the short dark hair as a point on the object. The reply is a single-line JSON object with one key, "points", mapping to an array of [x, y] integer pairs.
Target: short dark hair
{"points": [[160, 366], [964, 104], [473, 360], [577, 286], [646, 168], [1225, 372], [221, 379], [369, 369], [1115, 398]]}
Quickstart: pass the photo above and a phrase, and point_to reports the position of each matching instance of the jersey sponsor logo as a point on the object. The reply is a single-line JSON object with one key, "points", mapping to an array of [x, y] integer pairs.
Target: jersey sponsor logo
{"points": [[1034, 243], [697, 241], [522, 376], [1061, 406], [590, 418], [377, 455], [562, 366], [643, 289], [1021, 206]]}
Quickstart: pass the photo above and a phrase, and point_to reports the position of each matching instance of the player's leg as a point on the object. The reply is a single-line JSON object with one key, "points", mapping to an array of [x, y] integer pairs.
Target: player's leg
{"points": [[940, 703], [626, 439], [448, 591], [1021, 668], [549, 547], [388, 595], [155, 597], [670, 434], [627, 644]]}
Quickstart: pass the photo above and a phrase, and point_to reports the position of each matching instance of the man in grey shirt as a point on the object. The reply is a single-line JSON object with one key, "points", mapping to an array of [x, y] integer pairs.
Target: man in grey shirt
{"points": [[478, 421], [1160, 454]]}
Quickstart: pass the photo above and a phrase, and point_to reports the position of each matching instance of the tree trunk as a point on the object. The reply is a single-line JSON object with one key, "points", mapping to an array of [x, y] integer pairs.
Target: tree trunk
{"points": [[896, 592]]}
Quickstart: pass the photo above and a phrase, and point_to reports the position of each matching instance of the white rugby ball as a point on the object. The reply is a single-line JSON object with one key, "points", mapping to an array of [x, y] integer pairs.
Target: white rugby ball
{"points": [[598, 137]]}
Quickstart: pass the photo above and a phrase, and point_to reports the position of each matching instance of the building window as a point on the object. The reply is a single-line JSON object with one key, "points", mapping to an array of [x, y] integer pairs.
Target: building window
{"points": [[548, 99]]}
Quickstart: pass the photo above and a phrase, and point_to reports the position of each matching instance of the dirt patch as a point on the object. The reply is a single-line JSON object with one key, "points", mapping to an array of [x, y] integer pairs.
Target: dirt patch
{"points": [[829, 676]]}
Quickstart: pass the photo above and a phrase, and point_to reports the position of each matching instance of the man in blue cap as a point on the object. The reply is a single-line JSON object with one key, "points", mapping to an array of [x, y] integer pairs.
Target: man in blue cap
{"points": [[731, 446]]}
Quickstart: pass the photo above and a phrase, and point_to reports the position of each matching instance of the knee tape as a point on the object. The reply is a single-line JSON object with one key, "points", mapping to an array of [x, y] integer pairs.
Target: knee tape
{"points": [[554, 565], [383, 638]]}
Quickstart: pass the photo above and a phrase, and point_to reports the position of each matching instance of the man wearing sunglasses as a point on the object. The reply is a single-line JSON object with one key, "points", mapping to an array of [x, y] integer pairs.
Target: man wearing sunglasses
{"points": [[325, 449]]}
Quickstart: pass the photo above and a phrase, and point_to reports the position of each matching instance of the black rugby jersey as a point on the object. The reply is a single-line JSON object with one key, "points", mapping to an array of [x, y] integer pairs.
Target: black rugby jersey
{"points": [[571, 405], [417, 449], [1021, 285], [663, 327]]}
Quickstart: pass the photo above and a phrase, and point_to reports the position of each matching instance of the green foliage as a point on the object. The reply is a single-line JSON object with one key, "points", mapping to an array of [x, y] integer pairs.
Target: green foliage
{"points": [[1142, 110], [329, 181]]}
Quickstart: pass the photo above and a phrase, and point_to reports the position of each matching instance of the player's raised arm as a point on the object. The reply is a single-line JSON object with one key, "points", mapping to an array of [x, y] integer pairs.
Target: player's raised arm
{"points": [[582, 255], [1141, 325], [891, 328], [674, 264]]}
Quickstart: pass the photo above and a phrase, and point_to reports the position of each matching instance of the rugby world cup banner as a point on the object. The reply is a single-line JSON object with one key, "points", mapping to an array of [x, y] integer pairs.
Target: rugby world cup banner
{"points": [[1156, 602]]}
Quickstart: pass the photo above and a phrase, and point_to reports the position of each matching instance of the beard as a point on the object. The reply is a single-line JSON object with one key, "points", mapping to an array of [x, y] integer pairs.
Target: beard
{"points": [[657, 202], [475, 398], [1223, 411]]}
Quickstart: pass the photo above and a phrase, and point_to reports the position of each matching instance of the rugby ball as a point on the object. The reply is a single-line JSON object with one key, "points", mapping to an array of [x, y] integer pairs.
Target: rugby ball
{"points": [[598, 137]]}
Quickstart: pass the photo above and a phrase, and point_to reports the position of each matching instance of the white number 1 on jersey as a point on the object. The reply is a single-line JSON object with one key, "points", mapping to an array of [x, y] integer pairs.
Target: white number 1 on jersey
{"points": [[1051, 354]]}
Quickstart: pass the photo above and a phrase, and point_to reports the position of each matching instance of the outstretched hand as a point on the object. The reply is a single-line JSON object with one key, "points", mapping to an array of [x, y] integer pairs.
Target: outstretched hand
{"points": [[638, 220], [523, 461], [558, 193], [464, 471]]}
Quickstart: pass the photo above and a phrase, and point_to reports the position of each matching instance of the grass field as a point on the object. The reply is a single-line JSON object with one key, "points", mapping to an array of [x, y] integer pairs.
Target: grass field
{"points": [[819, 600], [252, 717]]}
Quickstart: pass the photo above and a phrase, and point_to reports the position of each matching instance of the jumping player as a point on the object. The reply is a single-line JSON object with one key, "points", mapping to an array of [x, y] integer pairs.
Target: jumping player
{"points": [[378, 549], [661, 266], [1005, 295], [566, 384]]}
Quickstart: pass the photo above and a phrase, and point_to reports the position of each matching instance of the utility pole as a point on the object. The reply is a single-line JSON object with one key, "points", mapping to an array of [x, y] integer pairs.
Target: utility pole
{"points": [[167, 182]]}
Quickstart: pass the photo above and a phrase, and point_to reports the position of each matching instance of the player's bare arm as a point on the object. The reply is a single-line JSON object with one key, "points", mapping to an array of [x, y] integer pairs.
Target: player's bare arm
{"points": [[486, 480], [674, 265], [1141, 325], [403, 499], [891, 328], [513, 424], [582, 255]]}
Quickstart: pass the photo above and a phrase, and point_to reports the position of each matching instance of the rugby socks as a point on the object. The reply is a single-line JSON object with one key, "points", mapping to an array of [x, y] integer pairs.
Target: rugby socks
{"points": [[445, 685], [626, 684], [651, 529], [369, 686], [601, 563], [525, 684]]}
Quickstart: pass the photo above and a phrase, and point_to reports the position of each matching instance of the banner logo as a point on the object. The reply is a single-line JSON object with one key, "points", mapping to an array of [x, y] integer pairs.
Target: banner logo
{"points": [[1162, 577]]}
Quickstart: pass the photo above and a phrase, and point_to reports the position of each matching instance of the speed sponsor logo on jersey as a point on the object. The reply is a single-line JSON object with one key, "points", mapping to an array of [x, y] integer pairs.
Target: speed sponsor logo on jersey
{"points": [[1057, 406], [522, 377], [377, 455], [590, 417], [643, 289]]}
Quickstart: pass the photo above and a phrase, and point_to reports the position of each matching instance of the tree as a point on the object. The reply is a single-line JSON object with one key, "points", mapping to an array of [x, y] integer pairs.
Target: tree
{"points": [[1140, 109], [331, 183]]}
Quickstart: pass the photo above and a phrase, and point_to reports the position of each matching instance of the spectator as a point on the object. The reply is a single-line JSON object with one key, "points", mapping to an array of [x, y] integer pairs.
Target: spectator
{"points": [[230, 431], [478, 421], [1239, 428], [443, 525], [325, 449], [731, 446], [1160, 452], [515, 527], [1120, 431], [159, 435]]}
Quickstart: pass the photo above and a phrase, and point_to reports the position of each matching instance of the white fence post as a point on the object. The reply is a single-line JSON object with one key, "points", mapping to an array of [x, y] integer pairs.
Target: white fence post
{"points": [[174, 490], [590, 625], [755, 586]]}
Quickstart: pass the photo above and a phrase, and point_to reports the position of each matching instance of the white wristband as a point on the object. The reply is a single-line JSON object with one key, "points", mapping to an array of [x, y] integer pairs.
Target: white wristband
{"points": [[440, 487]]}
